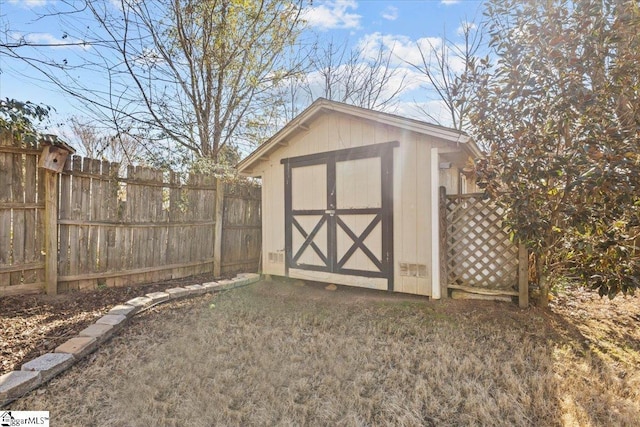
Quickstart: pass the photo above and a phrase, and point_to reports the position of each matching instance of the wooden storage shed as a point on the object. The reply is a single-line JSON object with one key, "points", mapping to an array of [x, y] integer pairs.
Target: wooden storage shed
{"points": [[350, 196]]}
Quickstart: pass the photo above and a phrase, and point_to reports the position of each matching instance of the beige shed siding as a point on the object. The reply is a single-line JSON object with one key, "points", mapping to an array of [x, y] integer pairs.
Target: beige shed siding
{"points": [[449, 180], [412, 232], [412, 202], [423, 220], [472, 187], [273, 210]]}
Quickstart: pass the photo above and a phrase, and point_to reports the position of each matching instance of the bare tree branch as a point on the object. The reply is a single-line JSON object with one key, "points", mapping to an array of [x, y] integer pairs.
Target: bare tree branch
{"points": [[437, 64], [350, 76], [185, 71]]}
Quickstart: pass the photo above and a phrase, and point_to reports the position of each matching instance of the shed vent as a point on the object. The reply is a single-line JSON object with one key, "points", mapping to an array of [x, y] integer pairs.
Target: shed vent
{"points": [[413, 270], [276, 257]]}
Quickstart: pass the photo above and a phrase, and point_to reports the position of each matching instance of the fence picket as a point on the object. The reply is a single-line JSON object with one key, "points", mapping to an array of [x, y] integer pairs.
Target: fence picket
{"points": [[64, 213], [147, 225], [6, 175], [31, 251], [102, 215]]}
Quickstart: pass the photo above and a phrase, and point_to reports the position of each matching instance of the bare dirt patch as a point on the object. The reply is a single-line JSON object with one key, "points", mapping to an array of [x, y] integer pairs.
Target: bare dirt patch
{"points": [[281, 354]]}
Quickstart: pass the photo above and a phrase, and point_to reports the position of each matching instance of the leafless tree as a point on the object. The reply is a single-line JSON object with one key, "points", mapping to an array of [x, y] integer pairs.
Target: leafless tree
{"points": [[93, 142], [341, 73], [350, 75], [444, 66], [186, 72]]}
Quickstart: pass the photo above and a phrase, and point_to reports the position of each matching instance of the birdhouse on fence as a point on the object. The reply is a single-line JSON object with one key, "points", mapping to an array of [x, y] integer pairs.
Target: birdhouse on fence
{"points": [[54, 153]]}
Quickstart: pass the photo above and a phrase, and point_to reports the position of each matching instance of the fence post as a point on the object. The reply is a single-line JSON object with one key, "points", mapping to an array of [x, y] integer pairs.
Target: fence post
{"points": [[523, 276], [51, 231], [217, 235], [442, 241]]}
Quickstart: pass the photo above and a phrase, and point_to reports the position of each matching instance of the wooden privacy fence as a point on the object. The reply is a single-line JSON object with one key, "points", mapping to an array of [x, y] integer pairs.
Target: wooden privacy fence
{"points": [[241, 229], [114, 229], [21, 218], [477, 255]]}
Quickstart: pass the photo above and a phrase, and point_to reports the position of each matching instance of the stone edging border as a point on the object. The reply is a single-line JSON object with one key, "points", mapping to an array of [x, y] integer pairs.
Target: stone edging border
{"points": [[40, 370]]}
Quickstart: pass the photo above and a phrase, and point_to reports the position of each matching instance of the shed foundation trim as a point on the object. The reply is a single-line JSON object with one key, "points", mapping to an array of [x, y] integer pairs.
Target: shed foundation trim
{"points": [[340, 279]]}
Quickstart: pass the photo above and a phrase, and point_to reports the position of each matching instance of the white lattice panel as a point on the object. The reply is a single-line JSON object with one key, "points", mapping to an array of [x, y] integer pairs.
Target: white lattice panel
{"points": [[478, 250]]}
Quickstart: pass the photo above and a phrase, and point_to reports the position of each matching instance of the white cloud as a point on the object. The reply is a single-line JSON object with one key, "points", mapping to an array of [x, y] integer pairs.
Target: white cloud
{"points": [[449, 2], [464, 27], [456, 62], [390, 13], [405, 50], [399, 82], [405, 78], [53, 41], [119, 4], [335, 14], [29, 3]]}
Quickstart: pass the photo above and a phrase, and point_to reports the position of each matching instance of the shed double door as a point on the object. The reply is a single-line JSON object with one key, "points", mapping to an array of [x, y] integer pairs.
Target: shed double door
{"points": [[339, 212]]}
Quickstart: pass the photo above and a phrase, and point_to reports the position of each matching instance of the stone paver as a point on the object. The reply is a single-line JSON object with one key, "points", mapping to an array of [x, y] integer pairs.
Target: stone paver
{"points": [[115, 320], [245, 279], [41, 369], [158, 297], [226, 284], [177, 292], [140, 302], [124, 310], [239, 281], [100, 331], [196, 289], [49, 365], [211, 286], [79, 346], [16, 383]]}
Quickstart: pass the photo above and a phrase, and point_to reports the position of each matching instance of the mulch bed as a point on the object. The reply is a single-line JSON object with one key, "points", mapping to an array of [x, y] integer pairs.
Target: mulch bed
{"points": [[32, 325]]}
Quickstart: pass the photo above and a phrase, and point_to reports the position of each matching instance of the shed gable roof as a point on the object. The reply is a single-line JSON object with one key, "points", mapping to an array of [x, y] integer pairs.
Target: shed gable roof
{"points": [[323, 106]]}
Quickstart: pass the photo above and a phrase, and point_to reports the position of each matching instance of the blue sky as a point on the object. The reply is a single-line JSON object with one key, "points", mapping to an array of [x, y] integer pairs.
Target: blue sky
{"points": [[410, 18], [400, 25]]}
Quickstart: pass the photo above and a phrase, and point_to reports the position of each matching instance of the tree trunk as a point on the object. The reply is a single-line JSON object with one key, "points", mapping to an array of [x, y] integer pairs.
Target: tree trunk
{"points": [[543, 300], [543, 281]]}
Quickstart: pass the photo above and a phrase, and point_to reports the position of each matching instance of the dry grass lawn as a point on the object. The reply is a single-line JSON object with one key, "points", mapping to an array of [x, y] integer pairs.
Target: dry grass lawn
{"points": [[282, 354]]}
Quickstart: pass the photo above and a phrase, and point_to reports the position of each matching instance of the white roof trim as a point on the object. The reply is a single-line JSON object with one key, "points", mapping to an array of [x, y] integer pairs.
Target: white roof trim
{"points": [[324, 105]]}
